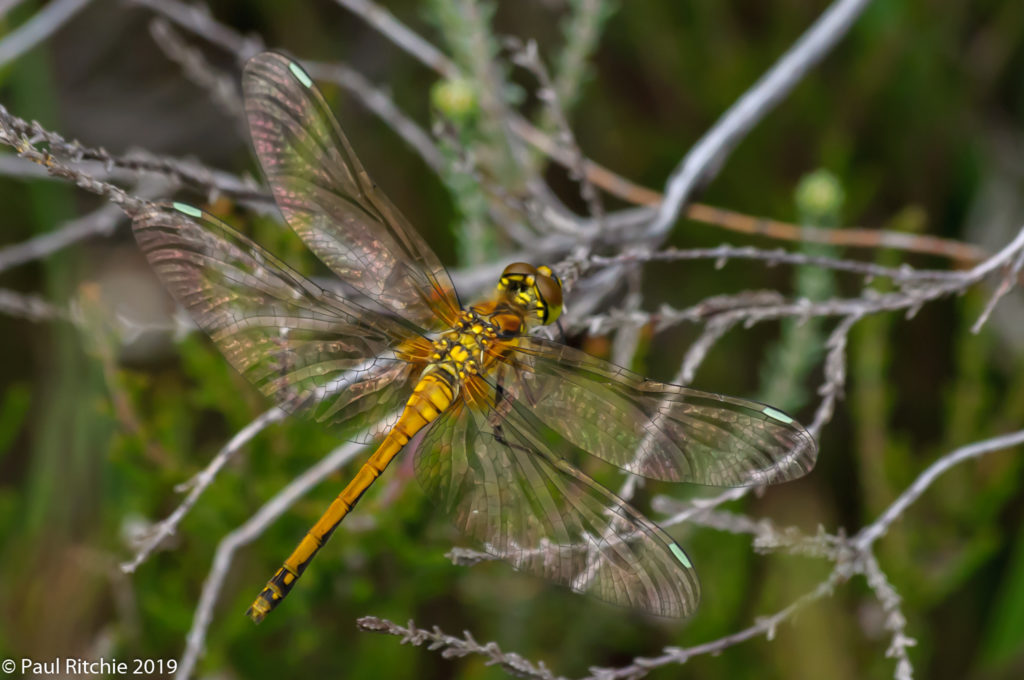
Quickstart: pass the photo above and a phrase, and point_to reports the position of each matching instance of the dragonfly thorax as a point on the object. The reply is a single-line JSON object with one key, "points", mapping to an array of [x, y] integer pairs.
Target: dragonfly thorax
{"points": [[463, 351]]}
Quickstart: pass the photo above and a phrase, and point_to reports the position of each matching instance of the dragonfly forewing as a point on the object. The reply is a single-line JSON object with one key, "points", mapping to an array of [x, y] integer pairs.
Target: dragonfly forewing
{"points": [[316, 354], [330, 201]]}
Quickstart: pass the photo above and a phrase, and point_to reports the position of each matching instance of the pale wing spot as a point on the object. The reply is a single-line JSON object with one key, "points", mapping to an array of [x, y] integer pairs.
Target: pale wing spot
{"points": [[299, 74], [680, 555], [186, 209], [777, 415]]}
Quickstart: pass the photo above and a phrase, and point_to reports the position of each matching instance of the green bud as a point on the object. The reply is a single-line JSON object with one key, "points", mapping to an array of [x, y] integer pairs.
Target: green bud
{"points": [[819, 196], [454, 98]]}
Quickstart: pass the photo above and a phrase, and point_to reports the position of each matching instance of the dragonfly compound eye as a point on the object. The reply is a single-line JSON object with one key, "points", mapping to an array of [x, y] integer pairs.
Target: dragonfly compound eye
{"points": [[549, 289], [515, 275], [517, 269]]}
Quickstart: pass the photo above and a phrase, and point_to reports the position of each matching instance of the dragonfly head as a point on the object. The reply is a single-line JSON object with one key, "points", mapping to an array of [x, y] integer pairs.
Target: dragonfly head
{"points": [[536, 290]]}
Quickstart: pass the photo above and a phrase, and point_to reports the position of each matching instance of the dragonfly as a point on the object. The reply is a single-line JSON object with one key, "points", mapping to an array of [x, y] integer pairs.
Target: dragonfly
{"points": [[494, 415]]}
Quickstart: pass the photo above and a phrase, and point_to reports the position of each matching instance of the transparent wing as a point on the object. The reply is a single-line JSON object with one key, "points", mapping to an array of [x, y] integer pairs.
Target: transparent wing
{"points": [[314, 353], [498, 475], [655, 429], [327, 197]]}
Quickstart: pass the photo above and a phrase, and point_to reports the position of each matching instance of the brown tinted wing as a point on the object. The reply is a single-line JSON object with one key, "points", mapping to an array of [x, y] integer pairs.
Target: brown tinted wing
{"points": [[314, 353], [504, 481], [328, 198], [654, 429]]}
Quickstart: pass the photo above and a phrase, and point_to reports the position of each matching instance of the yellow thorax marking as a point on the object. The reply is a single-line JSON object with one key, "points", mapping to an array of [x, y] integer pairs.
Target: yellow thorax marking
{"points": [[462, 351]]}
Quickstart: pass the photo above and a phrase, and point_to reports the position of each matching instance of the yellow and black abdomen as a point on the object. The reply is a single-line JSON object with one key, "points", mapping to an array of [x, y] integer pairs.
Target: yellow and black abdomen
{"points": [[431, 397]]}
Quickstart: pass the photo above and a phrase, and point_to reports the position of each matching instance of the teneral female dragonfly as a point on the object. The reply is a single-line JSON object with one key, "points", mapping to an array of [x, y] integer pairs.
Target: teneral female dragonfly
{"points": [[492, 414]]}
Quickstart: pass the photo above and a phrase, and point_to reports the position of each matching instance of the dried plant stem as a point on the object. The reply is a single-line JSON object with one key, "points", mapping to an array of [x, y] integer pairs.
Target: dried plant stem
{"points": [[451, 647], [708, 155], [41, 26], [869, 534], [30, 307], [199, 484]]}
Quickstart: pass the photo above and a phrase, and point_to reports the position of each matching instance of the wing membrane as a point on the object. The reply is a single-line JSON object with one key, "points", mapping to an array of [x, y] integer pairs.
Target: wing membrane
{"points": [[502, 483], [328, 198], [313, 352], [655, 429]]}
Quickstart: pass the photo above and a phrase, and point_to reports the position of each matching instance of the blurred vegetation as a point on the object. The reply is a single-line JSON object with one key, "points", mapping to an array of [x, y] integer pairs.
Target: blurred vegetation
{"points": [[916, 121]]}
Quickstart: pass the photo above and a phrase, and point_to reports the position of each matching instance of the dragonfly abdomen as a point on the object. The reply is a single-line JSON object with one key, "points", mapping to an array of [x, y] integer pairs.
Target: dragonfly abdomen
{"points": [[430, 398], [432, 395]]}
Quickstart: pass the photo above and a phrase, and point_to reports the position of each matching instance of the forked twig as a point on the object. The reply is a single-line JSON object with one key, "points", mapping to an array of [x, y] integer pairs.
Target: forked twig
{"points": [[198, 485]]}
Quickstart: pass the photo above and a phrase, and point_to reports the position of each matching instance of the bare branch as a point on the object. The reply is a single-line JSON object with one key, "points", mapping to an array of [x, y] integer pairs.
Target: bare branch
{"points": [[452, 647], [910, 300], [12, 133], [198, 485], [765, 626], [1010, 277], [24, 137], [895, 621], [698, 506], [856, 237], [100, 222], [713, 332], [197, 19], [723, 253], [395, 31], [835, 374], [381, 104], [30, 307], [708, 155], [223, 89], [528, 57], [770, 538], [7, 5], [871, 533], [41, 26]]}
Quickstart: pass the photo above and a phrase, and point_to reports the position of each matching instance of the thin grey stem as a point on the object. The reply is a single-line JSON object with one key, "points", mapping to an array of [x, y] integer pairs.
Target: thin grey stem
{"points": [[100, 222], [30, 307], [455, 647], [871, 533], [199, 484], [397, 32], [41, 26], [708, 155]]}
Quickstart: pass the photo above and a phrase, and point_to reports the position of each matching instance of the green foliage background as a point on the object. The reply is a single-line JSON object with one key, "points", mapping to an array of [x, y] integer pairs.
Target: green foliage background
{"points": [[918, 114]]}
